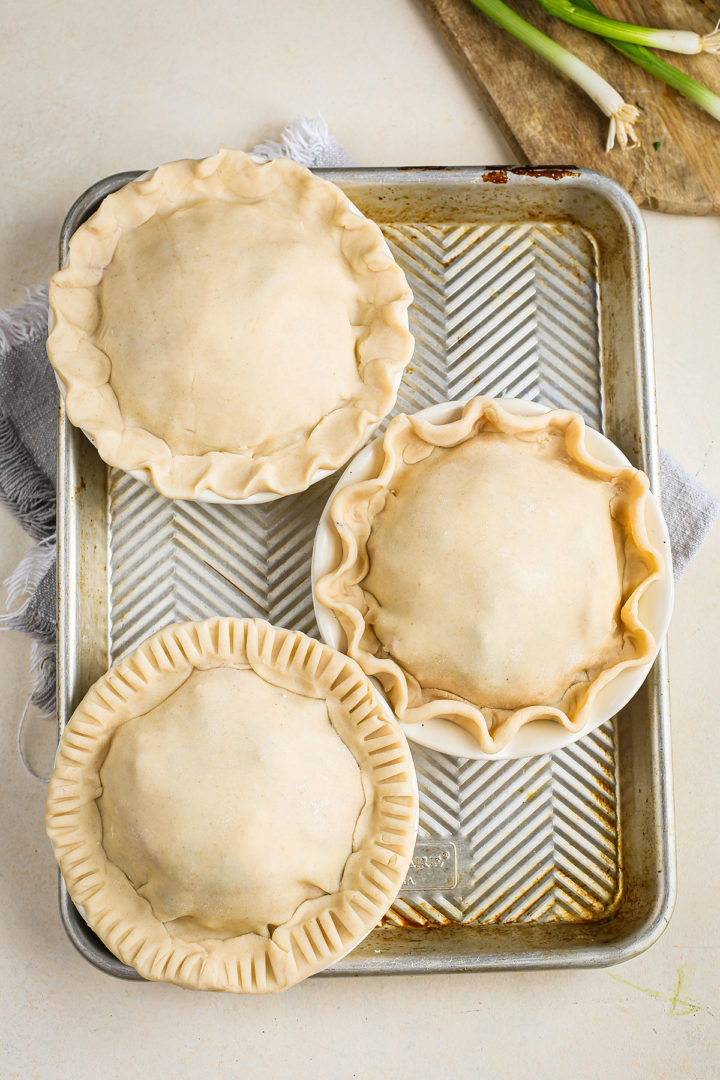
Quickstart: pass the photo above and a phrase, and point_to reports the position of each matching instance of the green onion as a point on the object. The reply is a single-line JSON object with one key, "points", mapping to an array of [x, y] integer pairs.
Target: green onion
{"points": [[622, 116], [679, 41], [679, 81]]}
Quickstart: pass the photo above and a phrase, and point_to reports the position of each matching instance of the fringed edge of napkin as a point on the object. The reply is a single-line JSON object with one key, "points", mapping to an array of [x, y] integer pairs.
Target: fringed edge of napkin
{"points": [[30, 498]]}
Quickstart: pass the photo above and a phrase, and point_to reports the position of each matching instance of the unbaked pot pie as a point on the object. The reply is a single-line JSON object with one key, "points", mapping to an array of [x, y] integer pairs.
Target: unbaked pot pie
{"points": [[491, 570], [232, 807], [229, 328]]}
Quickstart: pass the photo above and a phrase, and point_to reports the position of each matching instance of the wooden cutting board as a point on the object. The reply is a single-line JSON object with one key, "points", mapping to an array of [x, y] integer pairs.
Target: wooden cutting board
{"points": [[547, 120]]}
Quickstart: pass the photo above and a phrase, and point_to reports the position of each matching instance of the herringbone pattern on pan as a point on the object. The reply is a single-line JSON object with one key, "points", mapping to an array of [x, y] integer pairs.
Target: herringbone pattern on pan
{"points": [[508, 309]]}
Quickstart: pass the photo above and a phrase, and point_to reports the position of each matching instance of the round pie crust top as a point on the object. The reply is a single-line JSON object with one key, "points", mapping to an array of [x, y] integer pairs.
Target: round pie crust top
{"points": [[231, 807], [229, 326], [491, 572]]}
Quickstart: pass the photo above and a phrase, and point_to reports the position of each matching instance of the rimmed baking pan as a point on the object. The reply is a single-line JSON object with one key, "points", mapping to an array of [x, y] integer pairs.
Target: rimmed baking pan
{"points": [[528, 283]]}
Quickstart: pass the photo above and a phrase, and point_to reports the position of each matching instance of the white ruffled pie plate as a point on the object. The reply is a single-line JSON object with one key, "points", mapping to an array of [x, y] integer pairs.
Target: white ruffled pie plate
{"points": [[539, 736]]}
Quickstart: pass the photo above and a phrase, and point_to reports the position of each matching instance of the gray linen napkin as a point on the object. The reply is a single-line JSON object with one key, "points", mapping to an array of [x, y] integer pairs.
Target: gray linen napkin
{"points": [[689, 510], [28, 401]]}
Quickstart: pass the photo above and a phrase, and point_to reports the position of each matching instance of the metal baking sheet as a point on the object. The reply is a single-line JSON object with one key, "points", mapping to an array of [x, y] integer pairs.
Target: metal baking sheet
{"points": [[529, 283]]}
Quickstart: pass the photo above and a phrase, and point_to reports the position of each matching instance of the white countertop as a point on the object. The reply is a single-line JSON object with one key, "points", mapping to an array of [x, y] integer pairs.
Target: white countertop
{"points": [[87, 89]]}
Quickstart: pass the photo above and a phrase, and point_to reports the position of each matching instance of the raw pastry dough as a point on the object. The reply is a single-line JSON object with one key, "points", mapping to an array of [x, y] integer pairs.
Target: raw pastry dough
{"points": [[231, 807], [228, 326], [491, 573], [229, 785]]}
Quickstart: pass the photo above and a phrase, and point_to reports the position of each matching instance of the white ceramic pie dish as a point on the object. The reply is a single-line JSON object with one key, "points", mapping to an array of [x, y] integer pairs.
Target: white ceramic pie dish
{"points": [[539, 736]]}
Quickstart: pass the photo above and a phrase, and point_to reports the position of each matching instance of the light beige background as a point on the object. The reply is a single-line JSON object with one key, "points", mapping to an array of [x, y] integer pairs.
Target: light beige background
{"points": [[90, 88]]}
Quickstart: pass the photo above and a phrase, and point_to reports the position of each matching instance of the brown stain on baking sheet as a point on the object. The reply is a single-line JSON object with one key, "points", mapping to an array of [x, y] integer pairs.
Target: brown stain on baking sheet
{"points": [[495, 176], [536, 172], [395, 919], [548, 172]]}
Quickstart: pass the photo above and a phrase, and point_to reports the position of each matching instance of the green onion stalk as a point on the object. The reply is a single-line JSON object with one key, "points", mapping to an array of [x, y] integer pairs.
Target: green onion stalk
{"points": [[641, 56], [589, 18], [622, 115]]}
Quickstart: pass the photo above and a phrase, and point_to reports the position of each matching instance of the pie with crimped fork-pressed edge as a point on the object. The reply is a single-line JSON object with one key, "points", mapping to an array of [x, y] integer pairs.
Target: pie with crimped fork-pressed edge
{"points": [[232, 807]]}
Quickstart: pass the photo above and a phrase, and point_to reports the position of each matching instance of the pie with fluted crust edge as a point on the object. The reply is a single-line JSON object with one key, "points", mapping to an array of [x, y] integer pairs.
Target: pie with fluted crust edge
{"points": [[231, 806], [228, 327], [491, 570]]}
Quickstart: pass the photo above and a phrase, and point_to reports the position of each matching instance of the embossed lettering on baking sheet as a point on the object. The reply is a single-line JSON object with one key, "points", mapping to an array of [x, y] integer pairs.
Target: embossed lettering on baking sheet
{"points": [[434, 865]]}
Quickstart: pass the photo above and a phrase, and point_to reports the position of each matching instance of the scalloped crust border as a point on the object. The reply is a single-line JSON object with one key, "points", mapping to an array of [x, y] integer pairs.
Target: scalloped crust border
{"points": [[320, 931], [350, 518], [83, 369]]}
